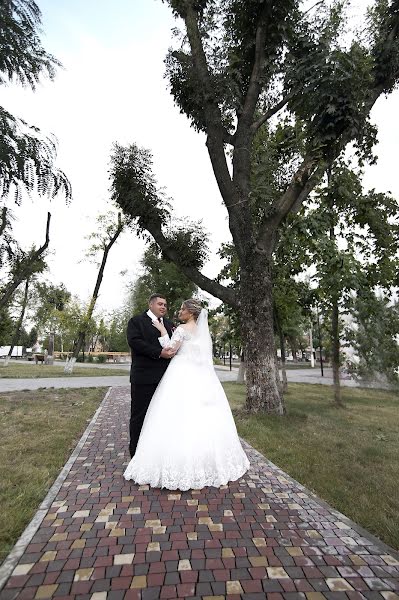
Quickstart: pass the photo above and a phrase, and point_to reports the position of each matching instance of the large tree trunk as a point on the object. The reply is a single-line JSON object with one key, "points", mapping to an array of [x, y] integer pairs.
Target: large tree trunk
{"points": [[336, 352], [50, 350], [256, 312], [294, 348]]}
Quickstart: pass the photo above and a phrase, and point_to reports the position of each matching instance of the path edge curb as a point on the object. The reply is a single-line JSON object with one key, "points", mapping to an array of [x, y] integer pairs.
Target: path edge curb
{"points": [[26, 536]]}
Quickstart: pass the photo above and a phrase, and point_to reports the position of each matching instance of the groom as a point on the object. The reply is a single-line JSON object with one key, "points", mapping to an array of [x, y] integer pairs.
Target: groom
{"points": [[149, 361]]}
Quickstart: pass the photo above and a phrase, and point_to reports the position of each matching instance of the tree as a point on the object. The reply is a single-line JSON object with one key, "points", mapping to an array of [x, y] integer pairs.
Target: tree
{"points": [[103, 239], [239, 64], [7, 326], [22, 265], [50, 302], [374, 336], [116, 337], [18, 327], [26, 156], [161, 275], [31, 337], [68, 323], [352, 240]]}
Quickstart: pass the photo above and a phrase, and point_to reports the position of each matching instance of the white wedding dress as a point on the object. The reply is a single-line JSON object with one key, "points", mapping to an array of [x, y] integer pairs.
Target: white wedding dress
{"points": [[189, 439]]}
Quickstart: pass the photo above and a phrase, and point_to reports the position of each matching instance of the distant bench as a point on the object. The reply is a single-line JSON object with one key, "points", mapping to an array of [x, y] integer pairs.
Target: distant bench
{"points": [[118, 357], [115, 357]]}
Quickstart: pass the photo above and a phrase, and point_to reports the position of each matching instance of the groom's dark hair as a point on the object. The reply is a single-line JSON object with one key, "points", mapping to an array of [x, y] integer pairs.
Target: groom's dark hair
{"points": [[153, 296]]}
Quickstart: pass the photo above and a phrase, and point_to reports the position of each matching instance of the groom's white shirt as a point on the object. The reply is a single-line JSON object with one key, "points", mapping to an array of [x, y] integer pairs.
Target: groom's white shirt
{"points": [[153, 317]]}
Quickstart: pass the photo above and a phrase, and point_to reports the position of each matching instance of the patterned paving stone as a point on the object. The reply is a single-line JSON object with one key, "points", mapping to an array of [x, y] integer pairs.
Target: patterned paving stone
{"points": [[264, 536]]}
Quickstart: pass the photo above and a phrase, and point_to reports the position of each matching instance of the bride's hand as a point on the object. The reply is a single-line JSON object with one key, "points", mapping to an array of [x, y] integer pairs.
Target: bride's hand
{"points": [[158, 326]]}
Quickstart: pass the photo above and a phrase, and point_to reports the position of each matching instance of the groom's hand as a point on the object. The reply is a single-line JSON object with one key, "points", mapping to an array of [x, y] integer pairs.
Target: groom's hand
{"points": [[167, 353]]}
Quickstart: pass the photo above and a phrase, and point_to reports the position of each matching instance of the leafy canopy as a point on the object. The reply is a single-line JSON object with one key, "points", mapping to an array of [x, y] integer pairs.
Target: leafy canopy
{"points": [[26, 156]]}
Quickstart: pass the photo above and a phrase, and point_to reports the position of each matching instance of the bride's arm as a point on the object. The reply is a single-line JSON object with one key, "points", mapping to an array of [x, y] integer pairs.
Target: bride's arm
{"points": [[175, 342]]}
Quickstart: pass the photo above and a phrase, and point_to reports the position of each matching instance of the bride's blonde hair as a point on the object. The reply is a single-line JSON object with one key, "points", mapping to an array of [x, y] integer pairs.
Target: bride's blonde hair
{"points": [[193, 306]]}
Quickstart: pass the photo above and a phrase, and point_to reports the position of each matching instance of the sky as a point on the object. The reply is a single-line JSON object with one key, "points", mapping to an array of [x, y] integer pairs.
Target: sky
{"points": [[112, 89]]}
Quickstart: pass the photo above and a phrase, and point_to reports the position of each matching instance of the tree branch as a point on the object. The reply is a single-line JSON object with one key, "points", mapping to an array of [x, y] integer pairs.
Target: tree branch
{"points": [[312, 169], [86, 319], [217, 135], [306, 177], [245, 133], [253, 91], [225, 294], [269, 113], [26, 269], [3, 223]]}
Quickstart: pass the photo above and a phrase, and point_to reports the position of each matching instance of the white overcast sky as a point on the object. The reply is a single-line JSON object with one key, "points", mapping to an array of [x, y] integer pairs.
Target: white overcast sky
{"points": [[112, 88]]}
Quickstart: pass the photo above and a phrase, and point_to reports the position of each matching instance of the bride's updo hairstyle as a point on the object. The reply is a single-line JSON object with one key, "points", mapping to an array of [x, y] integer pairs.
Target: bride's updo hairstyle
{"points": [[193, 306]]}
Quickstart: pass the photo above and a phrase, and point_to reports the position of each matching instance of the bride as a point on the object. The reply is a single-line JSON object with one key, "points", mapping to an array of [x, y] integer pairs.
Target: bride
{"points": [[189, 439]]}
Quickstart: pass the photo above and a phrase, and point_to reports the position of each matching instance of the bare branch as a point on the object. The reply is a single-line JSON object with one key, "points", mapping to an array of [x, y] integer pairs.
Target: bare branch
{"points": [[272, 111], [304, 180], [211, 286], [89, 313], [3, 223], [217, 135], [26, 269], [254, 87]]}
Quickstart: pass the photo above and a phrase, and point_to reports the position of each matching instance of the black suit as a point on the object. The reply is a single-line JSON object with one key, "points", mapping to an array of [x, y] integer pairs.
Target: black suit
{"points": [[146, 371]]}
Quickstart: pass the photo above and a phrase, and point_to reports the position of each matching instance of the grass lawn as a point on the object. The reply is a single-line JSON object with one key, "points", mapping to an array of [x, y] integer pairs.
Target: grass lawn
{"points": [[348, 457], [21, 371], [39, 429]]}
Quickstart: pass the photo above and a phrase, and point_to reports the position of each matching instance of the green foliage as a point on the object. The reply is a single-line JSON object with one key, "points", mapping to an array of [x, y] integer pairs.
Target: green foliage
{"points": [[240, 23], [163, 276], [134, 188], [236, 65], [7, 327], [291, 298], [326, 79], [116, 336], [352, 237], [383, 21], [27, 160], [50, 301], [32, 337], [107, 227], [225, 331], [22, 55], [375, 337], [329, 84], [26, 156], [229, 33], [19, 265]]}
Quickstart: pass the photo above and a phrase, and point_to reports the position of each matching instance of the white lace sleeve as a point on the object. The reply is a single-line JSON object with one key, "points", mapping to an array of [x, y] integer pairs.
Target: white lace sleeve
{"points": [[164, 340], [176, 340]]}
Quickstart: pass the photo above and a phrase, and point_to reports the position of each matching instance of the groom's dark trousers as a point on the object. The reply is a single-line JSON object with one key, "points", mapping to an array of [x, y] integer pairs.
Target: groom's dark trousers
{"points": [[146, 371]]}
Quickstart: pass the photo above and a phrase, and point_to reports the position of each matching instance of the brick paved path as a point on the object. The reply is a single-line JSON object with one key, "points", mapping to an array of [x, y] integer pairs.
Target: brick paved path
{"points": [[261, 537]]}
